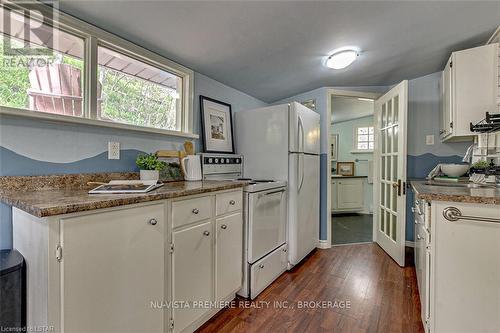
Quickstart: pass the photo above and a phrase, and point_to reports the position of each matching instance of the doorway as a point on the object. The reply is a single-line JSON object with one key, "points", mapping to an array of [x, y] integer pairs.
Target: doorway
{"points": [[351, 167]]}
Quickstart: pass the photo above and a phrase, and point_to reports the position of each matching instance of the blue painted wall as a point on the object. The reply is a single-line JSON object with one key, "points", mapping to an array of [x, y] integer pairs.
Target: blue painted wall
{"points": [[424, 109], [39, 147]]}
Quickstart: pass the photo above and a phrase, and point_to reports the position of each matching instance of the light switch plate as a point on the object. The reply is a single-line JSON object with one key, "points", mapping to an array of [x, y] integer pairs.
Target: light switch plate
{"points": [[113, 150], [429, 140]]}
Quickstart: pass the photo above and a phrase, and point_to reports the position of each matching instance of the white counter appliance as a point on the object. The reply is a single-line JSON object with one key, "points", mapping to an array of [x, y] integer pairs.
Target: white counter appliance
{"points": [[282, 142]]}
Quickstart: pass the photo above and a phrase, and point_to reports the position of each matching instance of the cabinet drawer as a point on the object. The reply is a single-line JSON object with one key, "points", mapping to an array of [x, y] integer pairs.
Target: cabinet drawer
{"points": [[266, 270], [191, 210], [228, 202]]}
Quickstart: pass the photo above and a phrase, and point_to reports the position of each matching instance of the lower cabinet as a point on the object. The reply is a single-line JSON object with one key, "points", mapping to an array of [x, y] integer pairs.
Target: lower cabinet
{"points": [[118, 269], [207, 259], [347, 194], [192, 273], [229, 255]]}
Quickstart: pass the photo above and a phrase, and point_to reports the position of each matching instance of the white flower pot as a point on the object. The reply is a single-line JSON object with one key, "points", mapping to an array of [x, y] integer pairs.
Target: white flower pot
{"points": [[150, 175]]}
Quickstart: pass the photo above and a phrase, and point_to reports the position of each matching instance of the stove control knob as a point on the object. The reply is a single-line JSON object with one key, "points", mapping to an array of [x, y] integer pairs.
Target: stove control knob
{"points": [[216, 161], [238, 161], [210, 160], [222, 161], [227, 160]]}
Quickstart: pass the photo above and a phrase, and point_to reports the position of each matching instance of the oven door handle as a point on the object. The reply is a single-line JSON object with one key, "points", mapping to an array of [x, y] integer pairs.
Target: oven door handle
{"points": [[273, 192]]}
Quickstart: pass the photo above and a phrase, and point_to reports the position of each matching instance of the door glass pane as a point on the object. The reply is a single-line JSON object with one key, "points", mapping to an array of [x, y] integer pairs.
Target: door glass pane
{"points": [[389, 113], [395, 168], [394, 205], [389, 165], [382, 140], [395, 141], [388, 195], [382, 194], [384, 116], [394, 227], [395, 108], [382, 168], [387, 225], [382, 219], [389, 139]]}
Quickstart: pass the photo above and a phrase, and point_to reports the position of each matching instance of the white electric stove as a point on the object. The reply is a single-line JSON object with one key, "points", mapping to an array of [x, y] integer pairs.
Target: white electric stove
{"points": [[265, 222]]}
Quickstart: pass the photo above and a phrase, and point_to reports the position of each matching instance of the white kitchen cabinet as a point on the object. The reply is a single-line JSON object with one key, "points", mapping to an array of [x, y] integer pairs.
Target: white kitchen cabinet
{"points": [[206, 256], [192, 270], [469, 90], [111, 270], [347, 194], [229, 255], [94, 271], [463, 269]]}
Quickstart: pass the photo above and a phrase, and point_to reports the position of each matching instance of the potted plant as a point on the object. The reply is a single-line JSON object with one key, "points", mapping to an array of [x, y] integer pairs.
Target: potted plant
{"points": [[149, 166]]}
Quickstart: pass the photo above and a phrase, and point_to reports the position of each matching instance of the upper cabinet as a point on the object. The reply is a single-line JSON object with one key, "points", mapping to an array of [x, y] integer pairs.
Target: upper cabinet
{"points": [[469, 90]]}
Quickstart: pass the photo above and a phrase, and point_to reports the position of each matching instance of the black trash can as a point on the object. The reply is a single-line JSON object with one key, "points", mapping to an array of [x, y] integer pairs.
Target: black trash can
{"points": [[12, 291]]}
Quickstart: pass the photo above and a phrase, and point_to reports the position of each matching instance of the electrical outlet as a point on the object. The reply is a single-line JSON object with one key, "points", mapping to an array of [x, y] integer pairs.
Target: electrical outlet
{"points": [[113, 150], [429, 140]]}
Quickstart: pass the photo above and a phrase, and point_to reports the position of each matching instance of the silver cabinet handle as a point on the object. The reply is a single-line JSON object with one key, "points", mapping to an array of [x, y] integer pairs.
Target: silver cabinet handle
{"points": [[153, 221], [454, 214], [206, 233], [261, 266], [223, 226], [413, 209], [232, 202], [195, 211], [419, 237]]}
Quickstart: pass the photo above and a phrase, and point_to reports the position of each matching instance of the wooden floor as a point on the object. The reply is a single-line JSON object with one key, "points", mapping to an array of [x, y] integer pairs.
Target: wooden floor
{"points": [[383, 297]]}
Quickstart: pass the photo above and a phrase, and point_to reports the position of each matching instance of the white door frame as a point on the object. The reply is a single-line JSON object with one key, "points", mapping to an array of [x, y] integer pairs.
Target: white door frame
{"points": [[329, 94]]}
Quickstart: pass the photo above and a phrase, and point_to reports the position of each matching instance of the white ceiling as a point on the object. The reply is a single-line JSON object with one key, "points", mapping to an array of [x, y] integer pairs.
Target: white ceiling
{"points": [[276, 49], [346, 108]]}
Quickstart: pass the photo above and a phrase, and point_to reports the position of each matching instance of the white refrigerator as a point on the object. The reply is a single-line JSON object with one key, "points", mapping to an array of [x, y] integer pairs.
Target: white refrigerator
{"points": [[282, 143]]}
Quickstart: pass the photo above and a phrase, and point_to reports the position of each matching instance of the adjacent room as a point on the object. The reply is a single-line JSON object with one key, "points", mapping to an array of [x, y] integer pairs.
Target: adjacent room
{"points": [[249, 166]]}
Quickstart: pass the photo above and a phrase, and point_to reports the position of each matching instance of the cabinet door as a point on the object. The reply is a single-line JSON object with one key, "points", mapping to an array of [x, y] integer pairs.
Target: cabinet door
{"points": [[333, 196], [350, 193], [192, 271], [446, 111], [112, 268], [229, 255]]}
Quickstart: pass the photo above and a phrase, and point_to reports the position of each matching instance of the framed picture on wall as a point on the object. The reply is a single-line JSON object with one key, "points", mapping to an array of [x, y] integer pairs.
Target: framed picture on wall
{"points": [[345, 168], [216, 126], [334, 148]]}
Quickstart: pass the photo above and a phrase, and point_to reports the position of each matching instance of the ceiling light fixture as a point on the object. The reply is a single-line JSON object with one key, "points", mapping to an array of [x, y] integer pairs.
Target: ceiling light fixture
{"points": [[365, 99], [341, 59]]}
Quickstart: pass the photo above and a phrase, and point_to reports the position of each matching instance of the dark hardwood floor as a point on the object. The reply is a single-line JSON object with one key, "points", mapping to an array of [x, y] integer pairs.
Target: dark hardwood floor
{"points": [[383, 296]]}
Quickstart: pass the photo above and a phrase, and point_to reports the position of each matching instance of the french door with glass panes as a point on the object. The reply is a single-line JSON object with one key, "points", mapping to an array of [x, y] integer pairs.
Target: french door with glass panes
{"points": [[390, 171]]}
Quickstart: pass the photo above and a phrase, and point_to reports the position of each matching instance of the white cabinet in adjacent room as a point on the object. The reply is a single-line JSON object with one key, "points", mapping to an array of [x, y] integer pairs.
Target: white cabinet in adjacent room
{"points": [[469, 90], [347, 194]]}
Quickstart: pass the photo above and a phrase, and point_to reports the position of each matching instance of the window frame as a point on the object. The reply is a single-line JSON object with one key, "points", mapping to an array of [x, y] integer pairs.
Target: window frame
{"points": [[355, 149], [94, 37]]}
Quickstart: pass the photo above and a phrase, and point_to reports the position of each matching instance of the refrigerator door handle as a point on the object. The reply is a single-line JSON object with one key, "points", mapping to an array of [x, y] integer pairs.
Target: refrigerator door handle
{"points": [[301, 133], [301, 156]]}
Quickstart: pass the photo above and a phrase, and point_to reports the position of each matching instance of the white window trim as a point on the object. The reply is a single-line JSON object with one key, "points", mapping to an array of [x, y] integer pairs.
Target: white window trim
{"points": [[94, 36], [355, 149]]}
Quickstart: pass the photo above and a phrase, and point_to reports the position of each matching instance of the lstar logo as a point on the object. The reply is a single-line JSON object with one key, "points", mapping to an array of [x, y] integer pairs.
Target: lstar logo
{"points": [[28, 32]]}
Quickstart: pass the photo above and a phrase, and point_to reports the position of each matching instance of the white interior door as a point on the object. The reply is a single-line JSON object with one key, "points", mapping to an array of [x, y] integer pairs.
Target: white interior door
{"points": [[390, 171]]}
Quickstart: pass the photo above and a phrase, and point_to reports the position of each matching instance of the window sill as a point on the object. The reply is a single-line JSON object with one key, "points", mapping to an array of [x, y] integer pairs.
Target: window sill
{"points": [[356, 151], [92, 122]]}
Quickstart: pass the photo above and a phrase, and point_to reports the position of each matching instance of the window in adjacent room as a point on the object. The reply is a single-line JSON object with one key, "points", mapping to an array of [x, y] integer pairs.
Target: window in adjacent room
{"points": [[364, 138]]}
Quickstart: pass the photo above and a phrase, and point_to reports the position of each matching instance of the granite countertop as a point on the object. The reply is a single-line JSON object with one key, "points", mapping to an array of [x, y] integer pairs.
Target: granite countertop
{"points": [[448, 192], [64, 199]]}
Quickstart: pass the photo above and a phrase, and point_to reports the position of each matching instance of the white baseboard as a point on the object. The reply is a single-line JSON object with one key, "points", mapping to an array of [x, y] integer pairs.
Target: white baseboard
{"points": [[410, 243], [324, 244]]}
